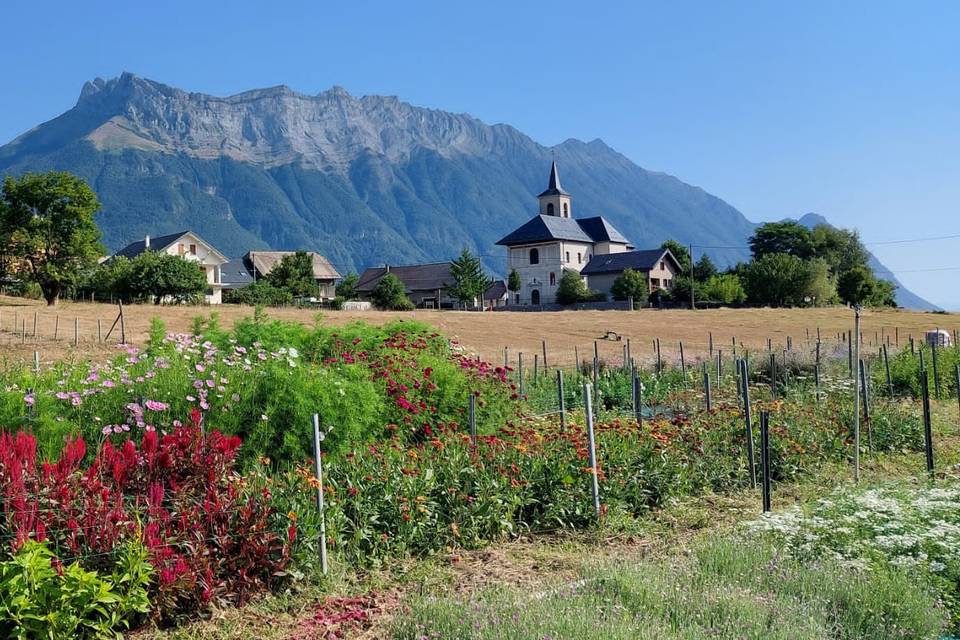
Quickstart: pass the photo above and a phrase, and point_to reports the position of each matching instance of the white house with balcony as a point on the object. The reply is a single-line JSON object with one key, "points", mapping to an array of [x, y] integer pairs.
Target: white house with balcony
{"points": [[553, 242], [189, 246]]}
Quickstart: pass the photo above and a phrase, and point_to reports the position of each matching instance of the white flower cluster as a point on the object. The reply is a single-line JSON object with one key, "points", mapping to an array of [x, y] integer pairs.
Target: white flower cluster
{"points": [[905, 525]]}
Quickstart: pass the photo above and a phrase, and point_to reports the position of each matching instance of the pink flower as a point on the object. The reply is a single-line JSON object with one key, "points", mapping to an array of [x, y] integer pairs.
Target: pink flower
{"points": [[200, 367], [29, 399], [109, 384], [107, 430], [155, 405]]}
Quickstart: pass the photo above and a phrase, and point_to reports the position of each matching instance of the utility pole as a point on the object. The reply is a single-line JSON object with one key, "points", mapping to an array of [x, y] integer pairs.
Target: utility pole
{"points": [[693, 302]]}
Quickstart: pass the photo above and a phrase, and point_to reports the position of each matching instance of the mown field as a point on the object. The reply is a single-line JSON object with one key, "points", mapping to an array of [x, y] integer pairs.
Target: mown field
{"points": [[488, 333], [168, 486]]}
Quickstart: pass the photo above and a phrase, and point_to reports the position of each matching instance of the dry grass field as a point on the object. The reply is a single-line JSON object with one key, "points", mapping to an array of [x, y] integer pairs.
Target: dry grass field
{"points": [[483, 333]]}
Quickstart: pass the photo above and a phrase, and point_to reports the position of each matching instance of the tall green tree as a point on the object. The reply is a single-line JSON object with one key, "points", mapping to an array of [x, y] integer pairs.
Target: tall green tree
{"points": [[704, 269], [294, 273], [572, 289], [840, 248], [513, 281], [725, 288], [161, 276], [47, 227], [469, 279], [681, 253], [390, 294], [630, 284], [776, 278], [787, 237], [347, 288]]}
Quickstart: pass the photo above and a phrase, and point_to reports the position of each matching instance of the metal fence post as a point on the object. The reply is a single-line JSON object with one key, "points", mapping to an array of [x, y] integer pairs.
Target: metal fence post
{"points": [[927, 429], [706, 387], [318, 469], [472, 416], [854, 351], [561, 401], [595, 483], [748, 423], [765, 457]]}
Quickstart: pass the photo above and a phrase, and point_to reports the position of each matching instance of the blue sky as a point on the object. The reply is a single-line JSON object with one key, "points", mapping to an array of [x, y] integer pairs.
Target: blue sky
{"points": [[850, 109]]}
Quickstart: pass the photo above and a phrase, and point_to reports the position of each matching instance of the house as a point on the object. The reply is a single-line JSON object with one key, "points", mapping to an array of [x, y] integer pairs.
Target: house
{"points": [[426, 284], [553, 242], [659, 266], [240, 272], [189, 246], [496, 295]]}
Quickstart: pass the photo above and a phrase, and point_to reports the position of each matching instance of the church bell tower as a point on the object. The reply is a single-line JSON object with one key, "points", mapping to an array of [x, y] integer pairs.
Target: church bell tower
{"points": [[555, 201]]}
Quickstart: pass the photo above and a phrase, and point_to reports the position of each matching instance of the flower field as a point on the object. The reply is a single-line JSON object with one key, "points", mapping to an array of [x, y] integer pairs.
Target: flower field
{"points": [[180, 473]]}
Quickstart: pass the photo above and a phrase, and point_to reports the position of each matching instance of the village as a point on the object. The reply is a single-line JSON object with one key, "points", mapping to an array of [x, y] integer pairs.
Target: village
{"points": [[551, 244]]}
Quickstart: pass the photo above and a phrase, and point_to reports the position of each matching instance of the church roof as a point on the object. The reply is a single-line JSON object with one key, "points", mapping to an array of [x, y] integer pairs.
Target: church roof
{"points": [[548, 228], [553, 187], [643, 260]]}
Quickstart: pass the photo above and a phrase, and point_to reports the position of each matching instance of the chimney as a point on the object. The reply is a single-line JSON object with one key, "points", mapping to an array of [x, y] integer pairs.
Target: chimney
{"points": [[146, 242]]}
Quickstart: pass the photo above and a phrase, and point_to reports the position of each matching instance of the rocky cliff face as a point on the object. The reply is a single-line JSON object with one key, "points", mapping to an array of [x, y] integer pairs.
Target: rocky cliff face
{"points": [[364, 180]]}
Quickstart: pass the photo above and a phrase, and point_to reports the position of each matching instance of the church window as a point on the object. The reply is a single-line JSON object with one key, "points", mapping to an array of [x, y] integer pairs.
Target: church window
{"points": [[579, 258], [553, 279], [566, 210], [568, 256], [550, 209], [534, 256]]}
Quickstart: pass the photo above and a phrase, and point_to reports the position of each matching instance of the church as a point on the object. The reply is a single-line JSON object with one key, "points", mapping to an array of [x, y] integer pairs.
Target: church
{"points": [[553, 242]]}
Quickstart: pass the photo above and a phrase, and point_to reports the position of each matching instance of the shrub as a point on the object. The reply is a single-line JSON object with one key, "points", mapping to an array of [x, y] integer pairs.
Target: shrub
{"points": [[208, 537], [391, 294], [572, 289], [42, 598], [629, 284], [261, 292], [724, 288]]}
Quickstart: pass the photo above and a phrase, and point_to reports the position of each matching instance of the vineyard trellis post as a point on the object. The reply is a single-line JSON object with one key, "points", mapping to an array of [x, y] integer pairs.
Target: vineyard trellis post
{"points": [[472, 418], [865, 396], [927, 428], [765, 457], [706, 387], [748, 424], [318, 470], [561, 402], [856, 393], [591, 441], [886, 366]]}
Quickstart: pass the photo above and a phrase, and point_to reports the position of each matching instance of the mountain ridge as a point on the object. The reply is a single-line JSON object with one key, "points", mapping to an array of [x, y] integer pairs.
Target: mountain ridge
{"points": [[365, 180]]}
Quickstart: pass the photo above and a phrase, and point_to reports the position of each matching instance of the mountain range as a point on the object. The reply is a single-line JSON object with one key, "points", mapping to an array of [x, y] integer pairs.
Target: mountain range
{"points": [[365, 181]]}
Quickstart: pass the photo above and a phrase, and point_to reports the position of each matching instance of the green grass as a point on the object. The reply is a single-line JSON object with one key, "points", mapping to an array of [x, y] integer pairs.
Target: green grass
{"points": [[725, 590]]}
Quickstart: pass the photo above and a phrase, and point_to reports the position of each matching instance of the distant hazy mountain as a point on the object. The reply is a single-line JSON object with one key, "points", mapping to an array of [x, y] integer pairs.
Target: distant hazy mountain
{"points": [[365, 181]]}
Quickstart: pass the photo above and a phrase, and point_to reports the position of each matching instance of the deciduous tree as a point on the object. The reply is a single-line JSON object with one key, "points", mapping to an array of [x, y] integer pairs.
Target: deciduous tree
{"points": [[47, 226]]}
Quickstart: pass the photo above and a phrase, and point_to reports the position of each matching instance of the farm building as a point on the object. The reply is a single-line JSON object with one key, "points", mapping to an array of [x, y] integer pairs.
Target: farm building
{"points": [[189, 246], [658, 265], [426, 284], [240, 272]]}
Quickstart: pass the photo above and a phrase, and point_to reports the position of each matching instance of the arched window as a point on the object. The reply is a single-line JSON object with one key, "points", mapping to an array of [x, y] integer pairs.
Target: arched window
{"points": [[535, 296], [534, 256], [549, 208], [553, 279], [566, 210]]}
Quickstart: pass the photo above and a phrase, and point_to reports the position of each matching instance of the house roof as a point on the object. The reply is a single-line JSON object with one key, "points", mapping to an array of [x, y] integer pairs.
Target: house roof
{"points": [[160, 243], [553, 187], [547, 228], [235, 274], [495, 291], [416, 277], [617, 262], [265, 261]]}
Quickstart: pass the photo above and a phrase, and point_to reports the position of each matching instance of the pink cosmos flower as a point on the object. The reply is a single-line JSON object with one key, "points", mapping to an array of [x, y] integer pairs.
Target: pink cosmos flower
{"points": [[29, 399], [156, 405]]}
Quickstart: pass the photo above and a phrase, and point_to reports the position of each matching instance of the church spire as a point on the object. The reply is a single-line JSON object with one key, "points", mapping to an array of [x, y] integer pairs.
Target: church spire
{"points": [[554, 201]]}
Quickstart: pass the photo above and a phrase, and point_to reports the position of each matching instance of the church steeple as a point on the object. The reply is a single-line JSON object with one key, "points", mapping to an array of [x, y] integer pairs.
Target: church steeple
{"points": [[555, 201]]}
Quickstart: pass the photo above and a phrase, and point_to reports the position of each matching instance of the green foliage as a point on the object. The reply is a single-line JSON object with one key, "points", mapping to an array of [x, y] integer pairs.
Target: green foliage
{"points": [[390, 294], [725, 288], [726, 589], [859, 286], [160, 276], [778, 278], [704, 269], [681, 253], [513, 281], [630, 284], [789, 237], [294, 273], [46, 224], [261, 292], [39, 600], [347, 287], [469, 280], [820, 286], [572, 289]]}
